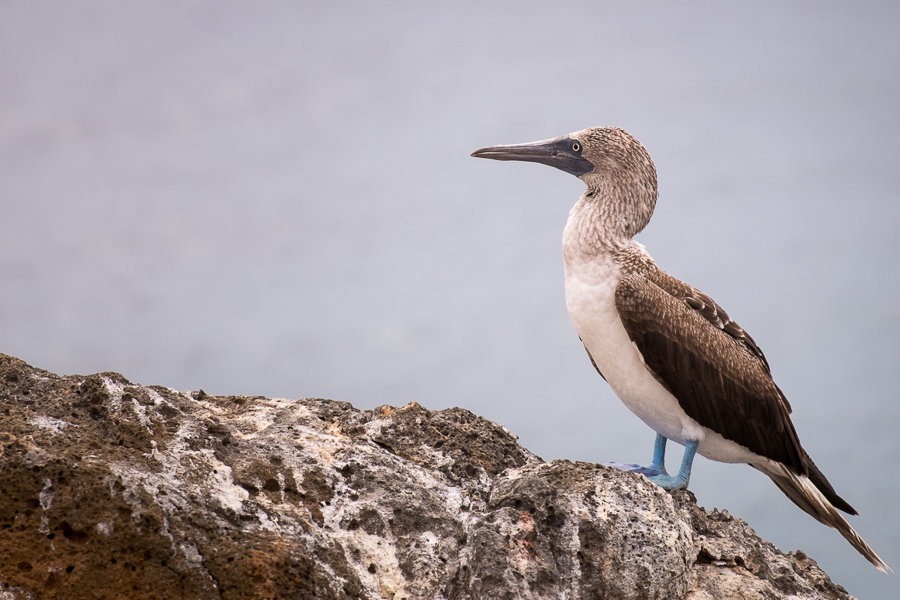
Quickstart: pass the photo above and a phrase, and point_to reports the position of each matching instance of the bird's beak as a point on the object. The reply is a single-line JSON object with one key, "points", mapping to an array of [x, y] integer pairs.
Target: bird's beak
{"points": [[557, 152]]}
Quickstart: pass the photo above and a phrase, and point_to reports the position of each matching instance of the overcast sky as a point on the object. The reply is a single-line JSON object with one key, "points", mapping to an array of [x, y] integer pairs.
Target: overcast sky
{"points": [[278, 199]]}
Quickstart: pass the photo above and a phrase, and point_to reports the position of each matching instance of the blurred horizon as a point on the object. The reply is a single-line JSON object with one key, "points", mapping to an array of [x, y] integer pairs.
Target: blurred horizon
{"points": [[279, 200]]}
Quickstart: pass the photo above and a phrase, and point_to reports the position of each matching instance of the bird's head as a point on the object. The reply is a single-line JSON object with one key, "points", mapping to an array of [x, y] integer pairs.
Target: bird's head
{"points": [[616, 168]]}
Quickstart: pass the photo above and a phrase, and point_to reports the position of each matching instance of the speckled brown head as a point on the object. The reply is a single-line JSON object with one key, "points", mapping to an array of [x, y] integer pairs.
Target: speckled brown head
{"points": [[616, 168]]}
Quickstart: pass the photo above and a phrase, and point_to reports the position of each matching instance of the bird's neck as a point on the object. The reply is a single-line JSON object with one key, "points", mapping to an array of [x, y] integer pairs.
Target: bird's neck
{"points": [[598, 225]]}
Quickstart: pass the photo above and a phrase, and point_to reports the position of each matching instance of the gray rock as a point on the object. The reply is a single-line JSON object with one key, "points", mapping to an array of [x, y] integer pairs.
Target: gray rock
{"points": [[118, 490]]}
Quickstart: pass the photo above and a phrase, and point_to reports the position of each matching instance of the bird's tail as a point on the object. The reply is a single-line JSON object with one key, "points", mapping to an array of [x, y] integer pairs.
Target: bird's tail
{"points": [[805, 494]]}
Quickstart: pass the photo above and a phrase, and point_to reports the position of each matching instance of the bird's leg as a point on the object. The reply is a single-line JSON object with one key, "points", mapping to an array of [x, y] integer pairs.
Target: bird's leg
{"points": [[659, 455], [679, 481]]}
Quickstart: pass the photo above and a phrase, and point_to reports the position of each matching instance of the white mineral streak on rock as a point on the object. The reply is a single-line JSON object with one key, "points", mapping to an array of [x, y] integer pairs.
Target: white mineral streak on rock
{"points": [[387, 580], [54, 425], [260, 416], [156, 397], [141, 413], [190, 553], [44, 527], [513, 474], [105, 528], [225, 491], [14, 593], [115, 390], [206, 405], [169, 477], [46, 495], [130, 478], [454, 499], [438, 458]]}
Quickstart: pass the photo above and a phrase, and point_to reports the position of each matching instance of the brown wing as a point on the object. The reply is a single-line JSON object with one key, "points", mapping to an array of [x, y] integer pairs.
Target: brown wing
{"points": [[706, 307], [714, 370]]}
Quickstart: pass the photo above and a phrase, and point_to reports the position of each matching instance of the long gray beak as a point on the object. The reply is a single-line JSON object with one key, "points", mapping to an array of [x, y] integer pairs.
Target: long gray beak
{"points": [[564, 153]]}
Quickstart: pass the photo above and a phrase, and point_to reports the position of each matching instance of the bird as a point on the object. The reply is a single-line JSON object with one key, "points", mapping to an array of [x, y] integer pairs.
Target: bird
{"points": [[670, 352]]}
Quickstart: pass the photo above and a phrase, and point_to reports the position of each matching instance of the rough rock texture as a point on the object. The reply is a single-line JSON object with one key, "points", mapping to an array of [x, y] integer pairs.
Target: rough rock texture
{"points": [[116, 490]]}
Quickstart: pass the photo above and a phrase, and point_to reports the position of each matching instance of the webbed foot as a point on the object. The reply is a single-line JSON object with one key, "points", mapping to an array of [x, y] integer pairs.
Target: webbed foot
{"points": [[656, 472], [669, 482]]}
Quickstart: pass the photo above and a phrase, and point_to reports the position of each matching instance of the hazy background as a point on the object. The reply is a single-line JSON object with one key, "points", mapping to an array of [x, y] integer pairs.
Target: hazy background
{"points": [[277, 198]]}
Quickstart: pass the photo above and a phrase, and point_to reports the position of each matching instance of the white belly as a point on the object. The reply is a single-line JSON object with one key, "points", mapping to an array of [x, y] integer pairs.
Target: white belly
{"points": [[590, 299]]}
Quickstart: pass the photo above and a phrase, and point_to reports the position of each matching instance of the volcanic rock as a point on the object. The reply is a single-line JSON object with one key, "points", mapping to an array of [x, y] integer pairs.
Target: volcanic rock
{"points": [[114, 490]]}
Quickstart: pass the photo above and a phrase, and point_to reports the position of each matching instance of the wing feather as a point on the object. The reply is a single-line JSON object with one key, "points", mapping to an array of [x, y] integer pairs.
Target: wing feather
{"points": [[708, 308], [712, 367]]}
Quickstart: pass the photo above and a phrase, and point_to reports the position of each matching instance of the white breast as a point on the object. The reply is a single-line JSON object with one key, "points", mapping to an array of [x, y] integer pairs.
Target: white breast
{"points": [[591, 281], [590, 299]]}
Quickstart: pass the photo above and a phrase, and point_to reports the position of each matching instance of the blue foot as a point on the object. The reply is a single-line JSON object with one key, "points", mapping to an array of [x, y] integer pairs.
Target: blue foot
{"points": [[668, 482], [656, 472]]}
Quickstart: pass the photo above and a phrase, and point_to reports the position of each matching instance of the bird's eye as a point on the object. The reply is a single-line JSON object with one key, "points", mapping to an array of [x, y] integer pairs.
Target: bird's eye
{"points": [[576, 147]]}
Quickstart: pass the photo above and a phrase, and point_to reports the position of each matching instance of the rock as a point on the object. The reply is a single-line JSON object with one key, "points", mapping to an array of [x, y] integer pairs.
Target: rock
{"points": [[117, 490]]}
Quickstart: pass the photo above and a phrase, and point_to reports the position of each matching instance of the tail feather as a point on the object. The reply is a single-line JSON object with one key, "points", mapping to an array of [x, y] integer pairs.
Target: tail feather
{"points": [[818, 480], [804, 493]]}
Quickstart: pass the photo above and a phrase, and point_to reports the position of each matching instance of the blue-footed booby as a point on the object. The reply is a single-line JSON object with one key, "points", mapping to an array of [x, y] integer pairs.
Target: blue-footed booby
{"points": [[669, 352]]}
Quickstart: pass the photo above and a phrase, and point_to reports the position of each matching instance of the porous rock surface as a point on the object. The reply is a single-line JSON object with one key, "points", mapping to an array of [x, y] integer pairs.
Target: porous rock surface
{"points": [[110, 489]]}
